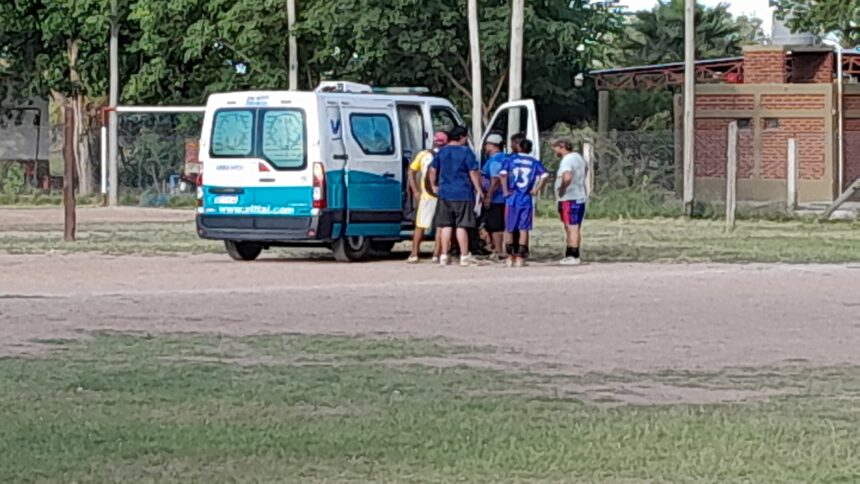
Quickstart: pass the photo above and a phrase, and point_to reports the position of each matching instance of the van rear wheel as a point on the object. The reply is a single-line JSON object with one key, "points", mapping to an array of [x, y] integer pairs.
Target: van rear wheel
{"points": [[351, 249], [243, 251]]}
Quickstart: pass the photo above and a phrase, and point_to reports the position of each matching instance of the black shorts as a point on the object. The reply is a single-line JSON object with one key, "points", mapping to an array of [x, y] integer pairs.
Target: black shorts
{"points": [[495, 221], [455, 214]]}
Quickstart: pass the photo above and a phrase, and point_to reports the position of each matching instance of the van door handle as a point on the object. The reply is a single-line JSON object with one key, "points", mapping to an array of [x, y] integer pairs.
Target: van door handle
{"points": [[388, 175], [267, 180]]}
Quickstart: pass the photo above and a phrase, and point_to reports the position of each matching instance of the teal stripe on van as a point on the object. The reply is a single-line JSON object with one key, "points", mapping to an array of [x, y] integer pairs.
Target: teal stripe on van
{"points": [[260, 201]]}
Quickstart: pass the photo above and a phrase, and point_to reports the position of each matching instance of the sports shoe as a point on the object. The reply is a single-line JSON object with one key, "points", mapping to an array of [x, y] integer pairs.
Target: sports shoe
{"points": [[443, 260], [435, 259], [467, 260], [495, 258], [520, 262], [413, 259], [509, 262], [570, 261]]}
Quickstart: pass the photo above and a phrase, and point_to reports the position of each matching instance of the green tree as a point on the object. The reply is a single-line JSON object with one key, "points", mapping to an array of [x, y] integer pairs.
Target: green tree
{"points": [[840, 18], [656, 36], [58, 49], [417, 42], [189, 49]]}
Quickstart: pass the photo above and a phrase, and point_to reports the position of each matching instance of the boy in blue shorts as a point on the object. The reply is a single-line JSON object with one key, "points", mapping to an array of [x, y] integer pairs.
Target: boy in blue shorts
{"points": [[522, 178]]}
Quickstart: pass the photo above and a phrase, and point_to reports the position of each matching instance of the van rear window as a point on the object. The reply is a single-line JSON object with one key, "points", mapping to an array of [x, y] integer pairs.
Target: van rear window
{"points": [[276, 135], [233, 133], [283, 139]]}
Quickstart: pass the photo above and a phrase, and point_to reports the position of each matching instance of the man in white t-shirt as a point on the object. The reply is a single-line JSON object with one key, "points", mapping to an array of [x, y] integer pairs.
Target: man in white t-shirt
{"points": [[571, 189]]}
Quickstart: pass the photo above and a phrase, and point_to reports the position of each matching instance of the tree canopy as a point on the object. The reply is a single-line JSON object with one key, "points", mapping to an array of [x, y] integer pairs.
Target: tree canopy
{"points": [[182, 50], [54, 46], [840, 18], [417, 42], [656, 36]]}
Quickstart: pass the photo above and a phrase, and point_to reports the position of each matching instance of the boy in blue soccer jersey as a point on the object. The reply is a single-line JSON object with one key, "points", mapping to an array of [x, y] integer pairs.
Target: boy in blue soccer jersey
{"points": [[522, 178]]}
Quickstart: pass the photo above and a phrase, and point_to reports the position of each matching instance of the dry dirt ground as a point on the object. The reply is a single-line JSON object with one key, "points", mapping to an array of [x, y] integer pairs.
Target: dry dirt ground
{"points": [[53, 216], [600, 317]]}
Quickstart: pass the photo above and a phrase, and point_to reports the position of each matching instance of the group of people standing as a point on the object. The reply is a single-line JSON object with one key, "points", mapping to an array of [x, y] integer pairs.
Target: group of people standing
{"points": [[456, 196]]}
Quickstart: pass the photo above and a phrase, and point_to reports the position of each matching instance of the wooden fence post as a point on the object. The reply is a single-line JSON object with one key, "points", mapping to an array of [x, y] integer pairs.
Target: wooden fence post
{"points": [[70, 222], [588, 155], [791, 176], [732, 176]]}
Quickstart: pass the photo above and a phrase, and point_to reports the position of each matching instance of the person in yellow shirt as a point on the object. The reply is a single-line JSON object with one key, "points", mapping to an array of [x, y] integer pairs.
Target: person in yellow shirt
{"points": [[425, 201]]}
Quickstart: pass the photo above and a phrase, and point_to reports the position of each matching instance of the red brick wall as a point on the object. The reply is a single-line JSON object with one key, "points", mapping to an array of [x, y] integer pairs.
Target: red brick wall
{"points": [[738, 102], [812, 67], [712, 147], [764, 67], [792, 101], [811, 147], [852, 103], [852, 150]]}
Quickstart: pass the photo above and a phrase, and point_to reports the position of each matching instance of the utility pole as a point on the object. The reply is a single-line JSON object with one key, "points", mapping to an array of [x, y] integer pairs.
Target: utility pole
{"points": [[113, 141], [477, 85], [689, 103], [515, 79], [294, 53]]}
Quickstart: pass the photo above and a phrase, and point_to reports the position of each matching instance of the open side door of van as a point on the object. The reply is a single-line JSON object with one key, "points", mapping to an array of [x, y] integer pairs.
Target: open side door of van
{"points": [[374, 169], [516, 117]]}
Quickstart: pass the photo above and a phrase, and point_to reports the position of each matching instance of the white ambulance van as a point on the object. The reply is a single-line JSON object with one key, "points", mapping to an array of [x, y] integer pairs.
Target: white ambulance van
{"points": [[327, 168]]}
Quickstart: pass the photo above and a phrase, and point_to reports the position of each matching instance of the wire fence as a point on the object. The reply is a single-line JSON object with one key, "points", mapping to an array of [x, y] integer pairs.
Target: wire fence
{"points": [[634, 169], [632, 172], [152, 158]]}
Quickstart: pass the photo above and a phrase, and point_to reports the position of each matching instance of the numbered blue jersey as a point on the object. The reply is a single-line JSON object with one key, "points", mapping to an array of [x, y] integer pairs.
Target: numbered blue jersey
{"points": [[524, 173]]}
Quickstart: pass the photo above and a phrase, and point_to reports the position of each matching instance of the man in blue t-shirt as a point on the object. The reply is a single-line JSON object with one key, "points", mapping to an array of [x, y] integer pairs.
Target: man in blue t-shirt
{"points": [[494, 202], [522, 178], [454, 177]]}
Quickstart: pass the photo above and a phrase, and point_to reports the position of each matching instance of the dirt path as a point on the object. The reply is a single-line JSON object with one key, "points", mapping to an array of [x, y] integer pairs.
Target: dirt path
{"points": [[593, 318], [53, 216]]}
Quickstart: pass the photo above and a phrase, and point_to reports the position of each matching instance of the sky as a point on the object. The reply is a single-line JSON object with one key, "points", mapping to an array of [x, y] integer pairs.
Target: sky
{"points": [[759, 8]]}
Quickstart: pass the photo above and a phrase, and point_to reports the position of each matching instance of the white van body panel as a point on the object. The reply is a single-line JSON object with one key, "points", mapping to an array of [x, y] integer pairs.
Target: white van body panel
{"points": [[245, 198]]}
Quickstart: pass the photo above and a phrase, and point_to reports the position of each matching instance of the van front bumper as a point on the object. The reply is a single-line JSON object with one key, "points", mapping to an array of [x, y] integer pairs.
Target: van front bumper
{"points": [[265, 228]]}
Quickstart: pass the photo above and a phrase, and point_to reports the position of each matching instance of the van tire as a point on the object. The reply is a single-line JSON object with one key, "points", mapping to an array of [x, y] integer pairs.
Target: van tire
{"points": [[243, 251], [351, 249]]}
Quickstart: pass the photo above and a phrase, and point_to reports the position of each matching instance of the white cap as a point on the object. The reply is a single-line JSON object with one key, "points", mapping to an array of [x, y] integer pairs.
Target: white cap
{"points": [[495, 139]]}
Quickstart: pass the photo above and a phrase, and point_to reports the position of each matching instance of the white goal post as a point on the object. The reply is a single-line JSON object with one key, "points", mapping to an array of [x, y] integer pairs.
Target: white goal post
{"points": [[103, 161]]}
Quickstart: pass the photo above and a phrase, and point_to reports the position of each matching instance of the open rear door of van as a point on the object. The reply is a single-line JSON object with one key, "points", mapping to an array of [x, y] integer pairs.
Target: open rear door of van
{"points": [[516, 117], [374, 170]]}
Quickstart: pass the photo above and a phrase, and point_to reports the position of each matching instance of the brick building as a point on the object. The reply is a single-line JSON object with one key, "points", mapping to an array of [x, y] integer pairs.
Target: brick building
{"points": [[775, 94]]}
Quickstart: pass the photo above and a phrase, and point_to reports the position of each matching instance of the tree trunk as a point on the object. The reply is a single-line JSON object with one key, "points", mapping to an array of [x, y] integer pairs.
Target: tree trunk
{"points": [[477, 89], [79, 136], [82, 146]]}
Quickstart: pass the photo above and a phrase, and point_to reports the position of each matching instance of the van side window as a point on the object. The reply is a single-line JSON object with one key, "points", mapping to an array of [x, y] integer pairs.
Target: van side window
{"points": [[283, 138], [443, 119], [233, 133], [374, 133]]}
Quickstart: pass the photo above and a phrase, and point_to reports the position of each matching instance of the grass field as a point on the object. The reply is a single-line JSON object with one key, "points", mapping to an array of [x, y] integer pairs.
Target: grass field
{"points": [[605, 240], [136, 408]]}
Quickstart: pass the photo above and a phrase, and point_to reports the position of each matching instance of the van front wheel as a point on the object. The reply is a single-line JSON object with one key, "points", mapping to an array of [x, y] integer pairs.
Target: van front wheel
{"points": [[243, 251], [351, 249]]}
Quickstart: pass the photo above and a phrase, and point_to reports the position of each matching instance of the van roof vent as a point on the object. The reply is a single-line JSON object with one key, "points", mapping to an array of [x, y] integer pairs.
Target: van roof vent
{"points": [[354, 87], [342, 86]]}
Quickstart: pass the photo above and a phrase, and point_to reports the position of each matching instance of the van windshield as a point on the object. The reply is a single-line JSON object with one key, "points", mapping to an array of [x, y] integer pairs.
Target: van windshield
{"points": [[276, 135]]}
